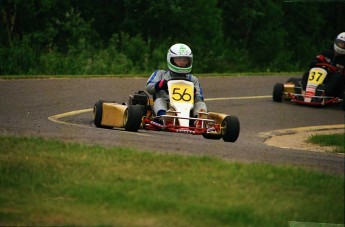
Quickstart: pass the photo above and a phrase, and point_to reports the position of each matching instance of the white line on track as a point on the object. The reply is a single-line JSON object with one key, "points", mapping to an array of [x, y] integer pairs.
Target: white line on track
{"points": [[238, 98]]}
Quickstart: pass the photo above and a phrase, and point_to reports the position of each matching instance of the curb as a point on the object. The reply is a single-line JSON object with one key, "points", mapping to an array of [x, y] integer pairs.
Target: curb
{"points": [[281, 132], [295, 138]]}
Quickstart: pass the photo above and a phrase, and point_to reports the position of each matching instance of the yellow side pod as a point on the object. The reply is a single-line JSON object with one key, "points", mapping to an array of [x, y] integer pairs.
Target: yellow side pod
{"points": [[113, 114], [289, 88], [217, 117]]}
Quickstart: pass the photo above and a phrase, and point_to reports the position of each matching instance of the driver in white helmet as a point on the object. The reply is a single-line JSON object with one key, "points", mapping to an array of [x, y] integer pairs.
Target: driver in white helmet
{"points": [[335, 82], [180, 60]]}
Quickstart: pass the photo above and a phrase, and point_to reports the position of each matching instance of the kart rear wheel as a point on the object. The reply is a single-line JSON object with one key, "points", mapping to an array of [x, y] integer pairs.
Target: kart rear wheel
{"points": [[278, 92], [97, 115], [230, 128], [133, 117]]}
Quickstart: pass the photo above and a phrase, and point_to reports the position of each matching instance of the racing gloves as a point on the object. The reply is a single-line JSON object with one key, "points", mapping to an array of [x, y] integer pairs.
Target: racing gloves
{"points": [[161, 85], [320, 58]]}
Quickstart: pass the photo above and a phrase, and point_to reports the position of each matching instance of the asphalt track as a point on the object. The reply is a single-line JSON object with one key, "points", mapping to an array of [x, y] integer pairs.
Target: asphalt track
{"points": [[61, 108]]}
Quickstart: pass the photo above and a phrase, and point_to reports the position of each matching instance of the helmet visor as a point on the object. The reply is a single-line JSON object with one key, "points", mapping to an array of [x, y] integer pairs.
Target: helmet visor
{"points": [[183, 62], [340, 43]]}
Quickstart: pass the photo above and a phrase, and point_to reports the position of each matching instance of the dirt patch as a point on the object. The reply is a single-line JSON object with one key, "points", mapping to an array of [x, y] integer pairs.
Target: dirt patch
{"points": [[295, 138]]}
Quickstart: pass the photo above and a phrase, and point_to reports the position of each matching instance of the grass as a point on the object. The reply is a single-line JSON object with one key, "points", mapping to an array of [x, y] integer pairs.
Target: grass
{"points": [[334, 140], [47, 182]]}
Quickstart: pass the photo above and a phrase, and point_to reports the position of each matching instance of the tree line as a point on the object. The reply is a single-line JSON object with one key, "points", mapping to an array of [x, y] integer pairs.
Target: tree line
{"points": [[133, 36]]}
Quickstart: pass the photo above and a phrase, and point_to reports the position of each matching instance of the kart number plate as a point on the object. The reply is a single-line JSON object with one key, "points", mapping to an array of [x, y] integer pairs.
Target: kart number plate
{"points": [[182, 93], [317, 75]]}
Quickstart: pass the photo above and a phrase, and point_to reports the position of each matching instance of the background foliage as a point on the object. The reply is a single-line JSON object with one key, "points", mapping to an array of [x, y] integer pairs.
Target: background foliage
{"points": [[133, 36]]}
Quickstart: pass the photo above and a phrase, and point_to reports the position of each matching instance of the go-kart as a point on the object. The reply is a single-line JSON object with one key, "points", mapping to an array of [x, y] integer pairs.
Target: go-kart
{"points": [[138, 114], [314, 94]]}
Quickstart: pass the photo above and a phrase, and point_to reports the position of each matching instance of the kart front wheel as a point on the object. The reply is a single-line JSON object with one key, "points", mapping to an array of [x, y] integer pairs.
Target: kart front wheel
{"points": [[133, 117], [212, 136], [278, 92], [230, 128]]}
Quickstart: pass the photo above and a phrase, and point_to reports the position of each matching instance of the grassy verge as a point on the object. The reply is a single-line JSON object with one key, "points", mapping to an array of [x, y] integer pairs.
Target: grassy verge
{"points": [[334, 140], [47, 182]]}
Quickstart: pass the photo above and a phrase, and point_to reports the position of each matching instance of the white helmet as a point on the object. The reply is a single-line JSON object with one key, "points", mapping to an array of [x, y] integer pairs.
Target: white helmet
{"points": [[177, 51], [339, 43]]}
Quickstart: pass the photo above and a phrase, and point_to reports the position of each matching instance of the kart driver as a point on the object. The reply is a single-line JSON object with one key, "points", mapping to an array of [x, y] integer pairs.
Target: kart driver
{"points": [[335, 82], [180, 60]]}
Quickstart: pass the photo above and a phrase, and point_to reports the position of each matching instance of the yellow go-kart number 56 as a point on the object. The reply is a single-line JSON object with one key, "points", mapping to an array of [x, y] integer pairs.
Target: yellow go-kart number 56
{"points": [[182, 93]]}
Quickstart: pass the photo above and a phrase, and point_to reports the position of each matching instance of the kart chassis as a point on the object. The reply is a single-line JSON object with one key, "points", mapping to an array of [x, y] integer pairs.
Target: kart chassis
{"points": [[138, 114]]}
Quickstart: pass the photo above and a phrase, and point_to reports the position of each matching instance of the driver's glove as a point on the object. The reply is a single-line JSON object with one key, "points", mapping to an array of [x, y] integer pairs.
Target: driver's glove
{"points": [[321, 58], [161, 85]]}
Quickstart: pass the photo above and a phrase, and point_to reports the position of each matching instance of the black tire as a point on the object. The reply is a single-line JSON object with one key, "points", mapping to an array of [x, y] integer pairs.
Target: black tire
{"points": [[133, 117], [212, 136], [97, 115], [278, 92], [230, 128], [343, 102]]}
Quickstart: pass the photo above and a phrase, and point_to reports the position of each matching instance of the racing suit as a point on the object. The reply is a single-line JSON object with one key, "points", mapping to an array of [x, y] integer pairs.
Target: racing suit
{"points": [[335, 82], [161, 97]]}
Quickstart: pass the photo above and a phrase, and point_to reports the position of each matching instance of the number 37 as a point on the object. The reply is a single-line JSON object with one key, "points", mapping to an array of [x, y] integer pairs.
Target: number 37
{"points": [[315, 77]]}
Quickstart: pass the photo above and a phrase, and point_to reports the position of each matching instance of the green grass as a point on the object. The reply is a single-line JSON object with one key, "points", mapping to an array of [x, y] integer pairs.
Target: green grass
{"points": [[47, 182], [336, 140]]}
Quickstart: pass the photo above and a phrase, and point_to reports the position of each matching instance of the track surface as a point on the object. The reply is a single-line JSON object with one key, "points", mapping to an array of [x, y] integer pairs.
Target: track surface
{"points": [[26, 106]]}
